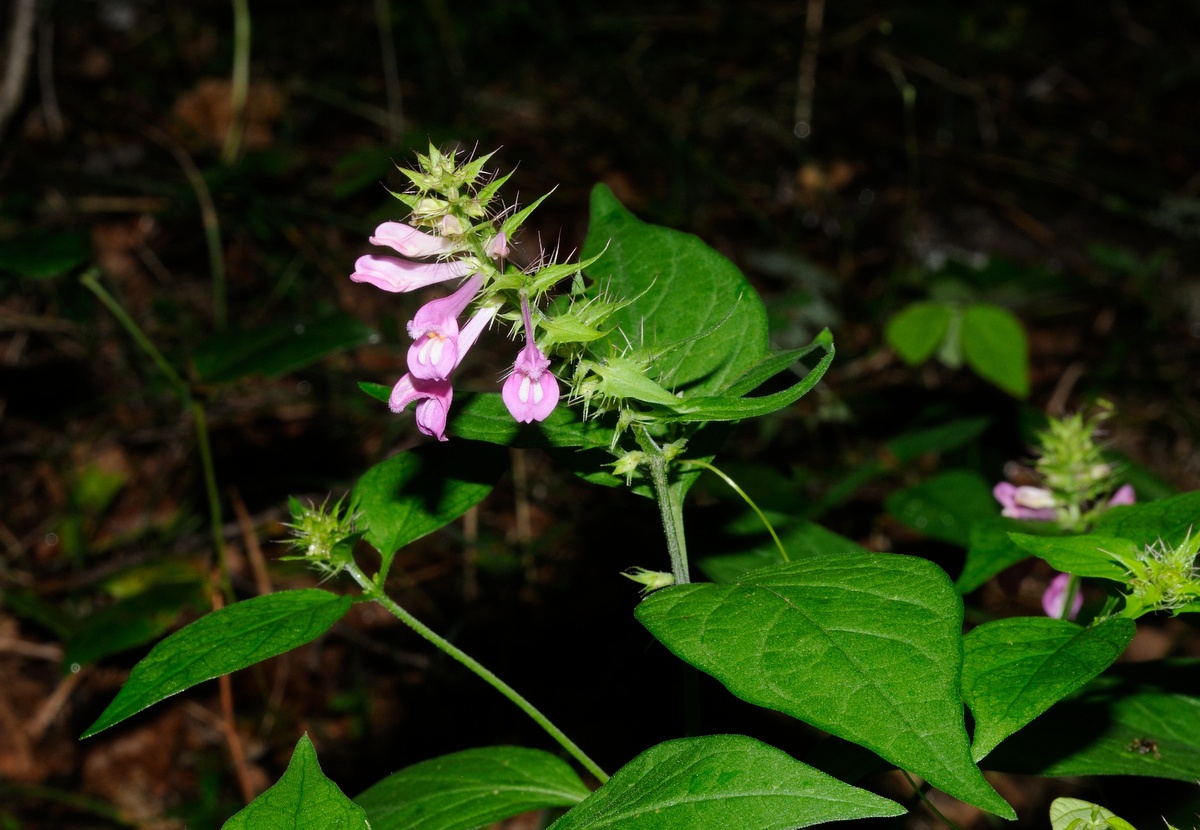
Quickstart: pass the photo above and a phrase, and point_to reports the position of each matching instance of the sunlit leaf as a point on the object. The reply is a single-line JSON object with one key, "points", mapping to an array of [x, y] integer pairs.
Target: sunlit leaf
{"points": [[867, 647], [471, 789], [720, 782], [916, 331]]}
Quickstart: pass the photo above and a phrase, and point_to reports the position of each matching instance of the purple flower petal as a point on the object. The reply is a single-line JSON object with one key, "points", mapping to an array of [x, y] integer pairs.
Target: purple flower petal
{"points": [[398, 275]]}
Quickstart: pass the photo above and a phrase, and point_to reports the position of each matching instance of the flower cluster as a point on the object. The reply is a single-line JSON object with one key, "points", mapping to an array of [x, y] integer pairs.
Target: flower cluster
{"points": [[453, 237], [1076, 486]]}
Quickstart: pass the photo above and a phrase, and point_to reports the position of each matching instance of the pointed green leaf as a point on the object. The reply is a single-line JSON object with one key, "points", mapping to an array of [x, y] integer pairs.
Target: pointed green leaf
{"points": [[277, 349], [916, 331], [1085, 555], [1015, 669], [302, 799], [414, 493], [942, 438], [41, 254], [995, 346], [775, 363], [1135, 719], [222, 642], [720, 782], [946, 506], [801, 539], [867, 647], [483, 416], [471, 789], [990, 550], [679, 289]]}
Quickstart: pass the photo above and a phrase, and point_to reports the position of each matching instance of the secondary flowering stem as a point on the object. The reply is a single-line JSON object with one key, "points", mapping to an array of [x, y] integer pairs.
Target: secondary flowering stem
{"points": [[374, 592], [695, 462], [670, 506]]}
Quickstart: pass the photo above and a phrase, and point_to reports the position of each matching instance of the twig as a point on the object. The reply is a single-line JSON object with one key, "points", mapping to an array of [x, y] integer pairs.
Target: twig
{"points": [[228, 724], [471, 554], [806, 82], [49, 652], [50, 110], [258, 562], [53, 705], [20, 50], [524, 528]]}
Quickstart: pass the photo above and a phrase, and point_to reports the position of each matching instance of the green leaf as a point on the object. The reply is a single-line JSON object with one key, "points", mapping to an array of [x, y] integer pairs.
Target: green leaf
{"points": [[1135, 719], [990, 550], [867, 647], [471, 789], [776, 362], [277, 349], [128, 623], [222, 642], [1085, 555], [995, 346], [378, 391], [916, 331], [484, 417], [1015, 669], [946, 506], [679, 289], [1169, 519], [417, 492], [1076, 814], [720, 782], [941, 438], [302, 799], [44, 254]]}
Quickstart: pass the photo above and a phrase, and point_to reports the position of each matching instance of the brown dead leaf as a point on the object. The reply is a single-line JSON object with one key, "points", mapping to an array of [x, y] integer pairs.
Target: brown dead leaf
{"points": [[205, 112]]}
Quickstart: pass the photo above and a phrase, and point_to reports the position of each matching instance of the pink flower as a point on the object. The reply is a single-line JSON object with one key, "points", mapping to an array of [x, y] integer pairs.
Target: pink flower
{"points": [[498, 247], [433, 397], [1025, 502], [409, 241], [1055, 598], [434, 330], [530, 392], [396, 275], [1123, 496]]}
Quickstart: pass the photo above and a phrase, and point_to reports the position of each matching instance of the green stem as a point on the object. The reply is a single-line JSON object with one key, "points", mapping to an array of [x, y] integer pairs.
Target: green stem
{"points": [[180, 387], [695, 462], [374, 592], [240, 82], [669, 507], [178, 384], [214, 498]]}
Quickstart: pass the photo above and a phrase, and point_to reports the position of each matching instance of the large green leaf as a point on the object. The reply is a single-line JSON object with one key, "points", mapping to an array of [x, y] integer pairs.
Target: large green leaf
{"points": [[916, 331], [414, 493], [951, 435], [128, 623], [946, 506], [471, 789], [720, 782], [221, 642], [1086, 555], [688, 302], [995, 346], [302, 799], [867, 647], [1169, 519], [1015, 669], [1076, 814], [801, 539], [278, 348], [1135, 719]]}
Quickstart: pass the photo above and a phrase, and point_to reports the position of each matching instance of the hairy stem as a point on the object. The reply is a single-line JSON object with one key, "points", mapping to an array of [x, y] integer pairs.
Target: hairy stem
{"points": [[374, 592]]}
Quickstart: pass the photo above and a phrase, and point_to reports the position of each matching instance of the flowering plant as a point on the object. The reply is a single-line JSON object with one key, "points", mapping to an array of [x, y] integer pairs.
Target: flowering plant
{"points": [[653, 338]]}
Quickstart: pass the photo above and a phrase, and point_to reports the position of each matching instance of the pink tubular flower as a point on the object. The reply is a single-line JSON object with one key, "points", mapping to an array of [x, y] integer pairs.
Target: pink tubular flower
{"points": [[433, 397], [1123, 496], [498, 247], [1055, 598], [397, 275], [1024, 502], [434, 330], [530, 392], [409, 241]]}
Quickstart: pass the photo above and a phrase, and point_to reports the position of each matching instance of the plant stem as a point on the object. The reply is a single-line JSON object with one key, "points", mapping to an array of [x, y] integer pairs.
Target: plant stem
{"points": [[239, 87], [181, 389], [921, 795], [374, 592], [670, 507], [696, 462]]}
